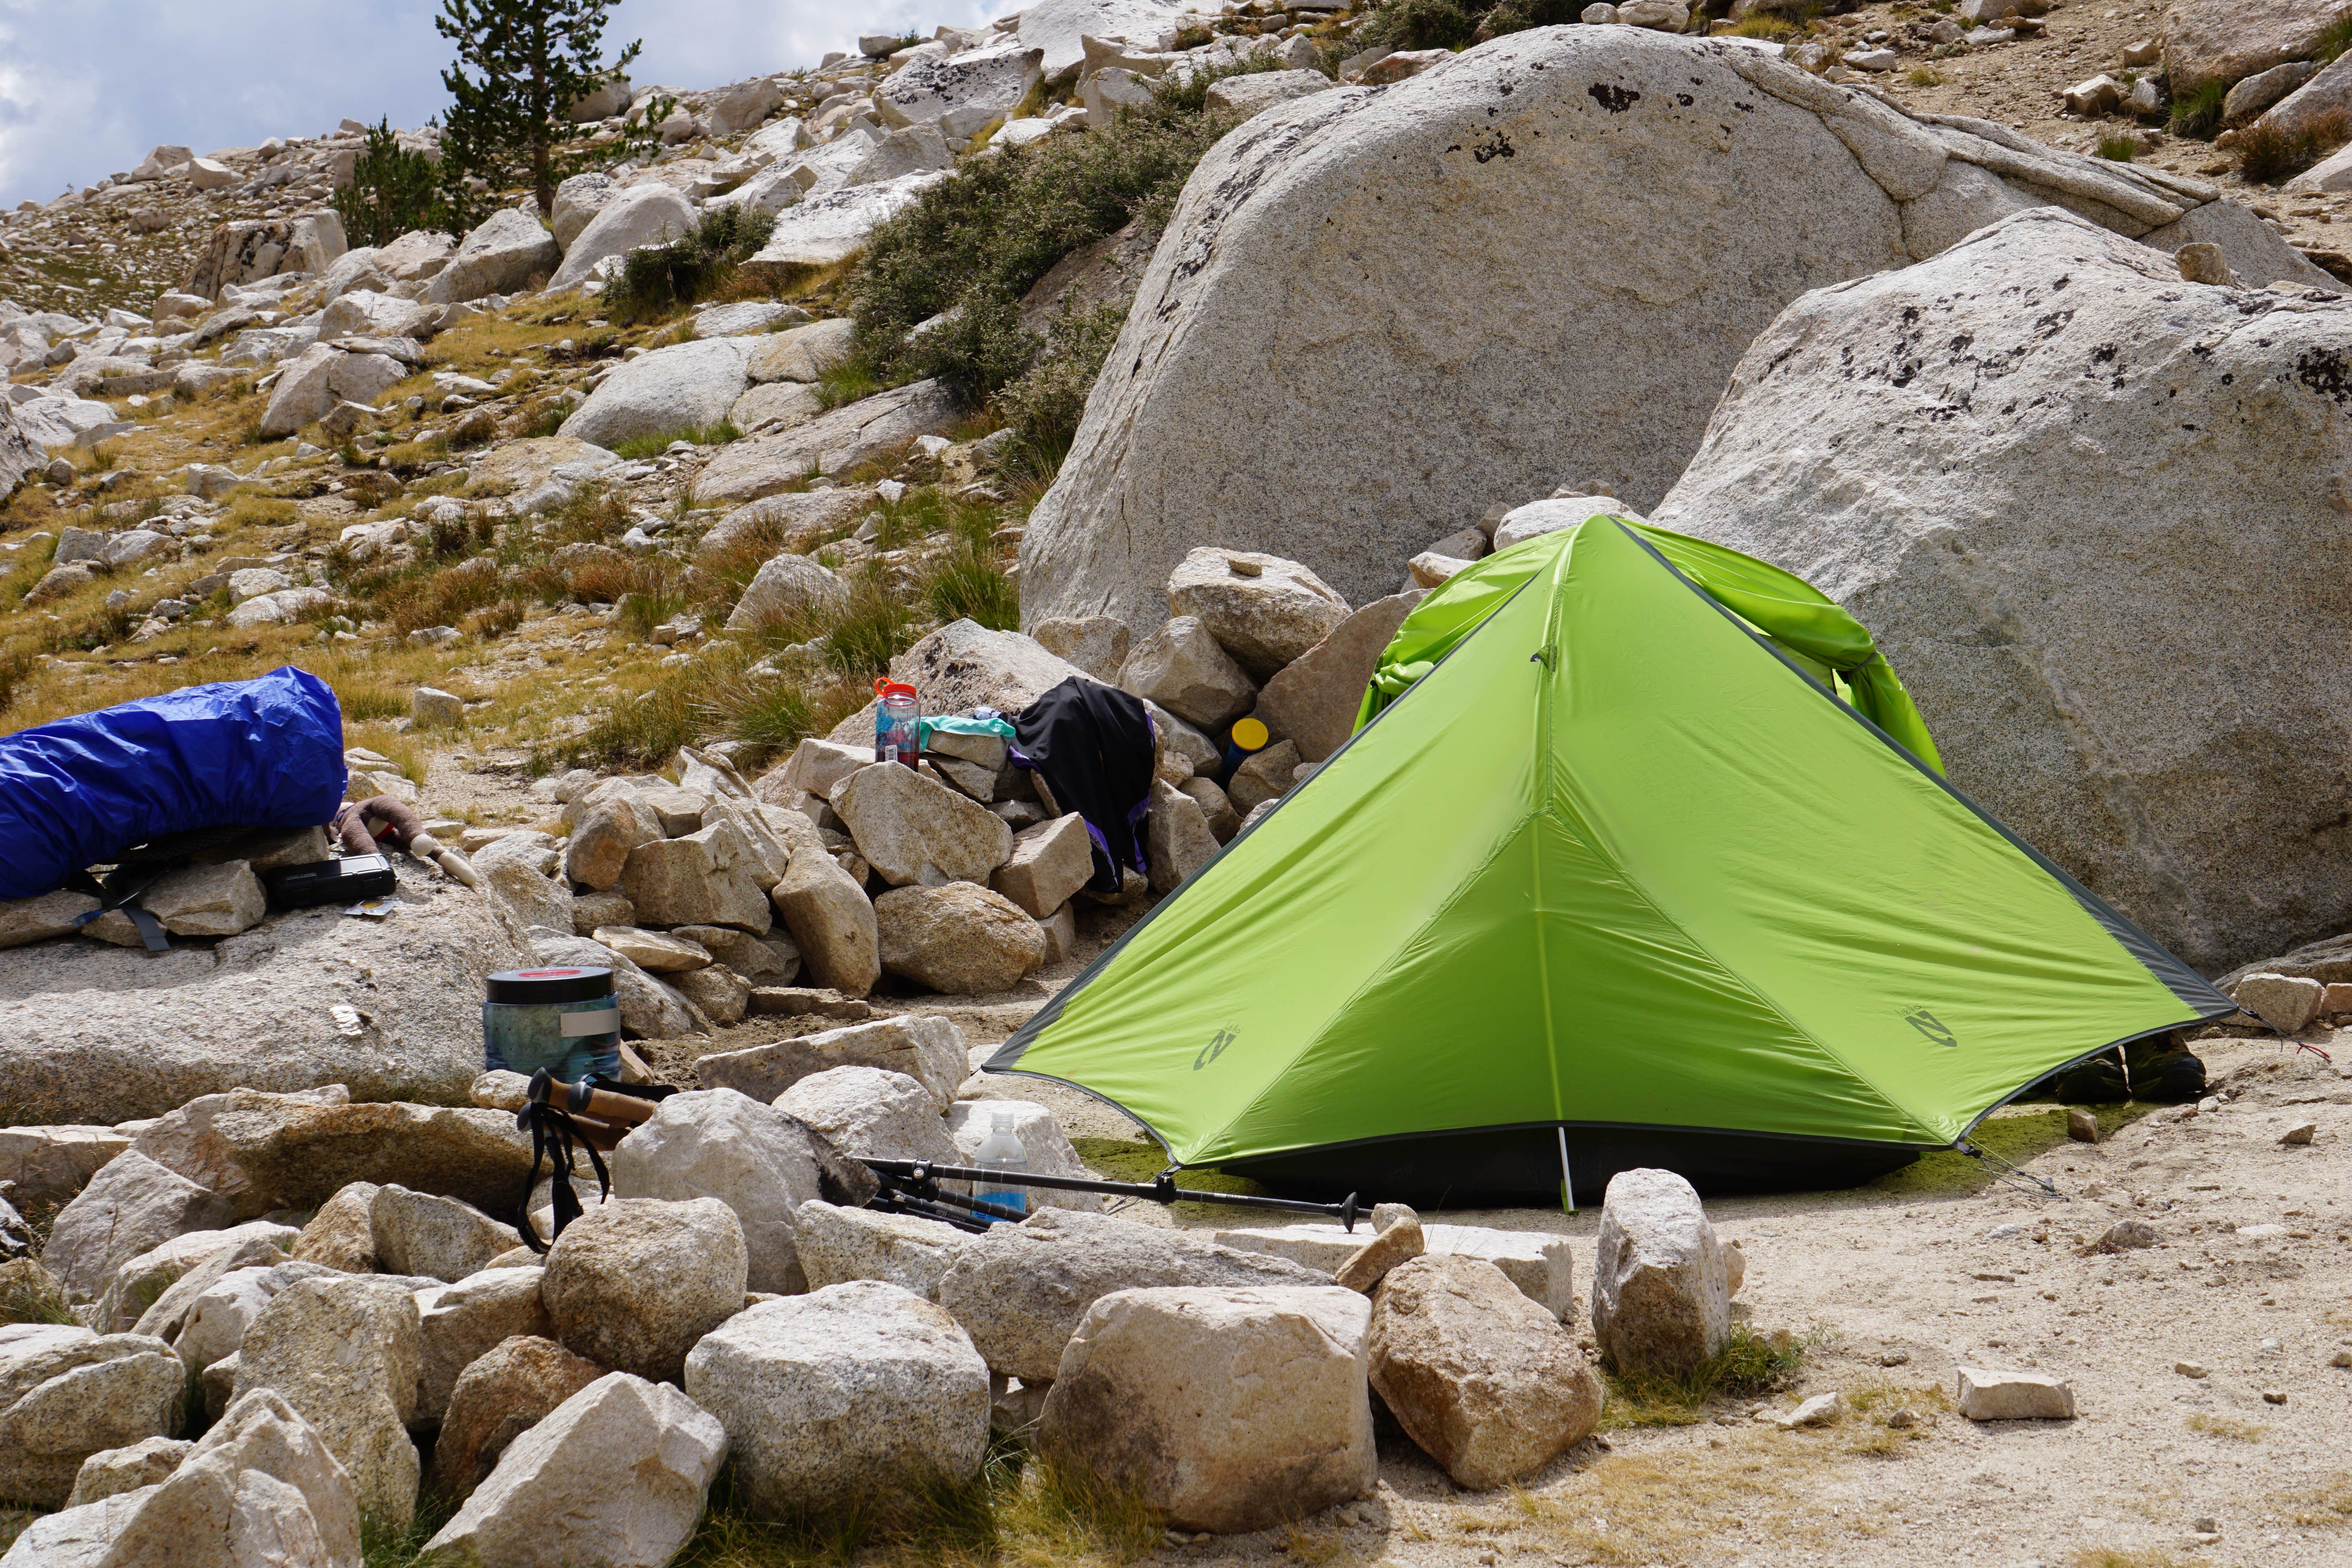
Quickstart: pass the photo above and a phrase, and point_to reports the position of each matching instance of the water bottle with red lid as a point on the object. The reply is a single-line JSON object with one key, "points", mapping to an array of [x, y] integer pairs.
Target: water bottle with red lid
{"points": [[896, 730]]}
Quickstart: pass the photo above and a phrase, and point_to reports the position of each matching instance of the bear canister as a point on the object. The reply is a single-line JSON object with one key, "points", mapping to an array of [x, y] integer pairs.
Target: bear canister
{"points": [[565, 1019]]}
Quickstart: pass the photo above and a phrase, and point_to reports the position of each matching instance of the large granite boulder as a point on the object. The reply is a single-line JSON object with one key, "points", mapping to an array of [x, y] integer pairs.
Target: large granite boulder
{"points": [[67, 1393], [1224, 1409], [1020, 1290], [675, 391], [98, 1034], [633, 1282], [1913, 445], [1614, 213], [346, 1353], [857, 1390]]}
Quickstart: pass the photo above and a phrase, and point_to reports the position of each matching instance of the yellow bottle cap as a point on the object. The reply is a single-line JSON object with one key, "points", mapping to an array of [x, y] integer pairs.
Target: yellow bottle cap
{"points": [[1249, 734]]}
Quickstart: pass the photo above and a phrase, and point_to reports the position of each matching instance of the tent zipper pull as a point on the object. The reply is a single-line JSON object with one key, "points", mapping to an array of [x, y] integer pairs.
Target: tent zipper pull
{"points": [[1546, 655]]}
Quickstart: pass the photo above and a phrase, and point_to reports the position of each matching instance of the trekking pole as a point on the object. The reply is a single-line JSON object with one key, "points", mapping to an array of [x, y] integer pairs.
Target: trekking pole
{"points": [[1160, 1189], [601, 1117]]}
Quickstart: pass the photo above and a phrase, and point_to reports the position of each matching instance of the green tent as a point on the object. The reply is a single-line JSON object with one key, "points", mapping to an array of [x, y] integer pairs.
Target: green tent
{"points": [[1625, 866]]}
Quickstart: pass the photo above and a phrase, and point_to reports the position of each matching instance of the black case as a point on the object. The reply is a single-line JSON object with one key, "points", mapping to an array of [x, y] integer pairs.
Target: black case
{"points": [[343, 882]]}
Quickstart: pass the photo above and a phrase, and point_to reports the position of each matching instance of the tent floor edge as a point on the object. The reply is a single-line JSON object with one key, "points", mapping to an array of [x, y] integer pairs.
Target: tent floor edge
{"points": [[1517, 1166]]}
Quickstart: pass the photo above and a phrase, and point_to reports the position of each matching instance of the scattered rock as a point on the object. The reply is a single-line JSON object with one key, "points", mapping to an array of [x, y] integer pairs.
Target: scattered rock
{"points": [[345, 1354], [869, 1114], [923, 1047], [434, 1237], [1096, 643], [1177, 838], [838, 1245], [1371, 1263], [499, 1396], [2286, 1003], [1313, 701], [2014, 1396], [130, 1207], [1048, 864], [702, 878], [459, 1325], [1261, 609], [146, 1463], [67, 1393], [1183, 667], [914, 831], [762, 1163]]}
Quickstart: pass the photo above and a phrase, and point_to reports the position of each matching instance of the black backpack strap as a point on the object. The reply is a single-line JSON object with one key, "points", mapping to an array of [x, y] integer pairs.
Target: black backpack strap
{"points": [[553, 1138], [121, 891]]}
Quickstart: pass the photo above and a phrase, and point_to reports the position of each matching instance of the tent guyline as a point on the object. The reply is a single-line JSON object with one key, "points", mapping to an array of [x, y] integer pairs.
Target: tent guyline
{"points": [[1640, 854]]}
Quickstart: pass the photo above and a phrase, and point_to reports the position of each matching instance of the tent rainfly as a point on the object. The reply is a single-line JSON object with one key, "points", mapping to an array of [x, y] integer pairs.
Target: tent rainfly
{"points": [[1640, 856]]}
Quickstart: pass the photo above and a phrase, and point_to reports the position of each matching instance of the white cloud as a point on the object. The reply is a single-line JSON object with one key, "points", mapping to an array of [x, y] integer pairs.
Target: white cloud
{"points": [[88, 86]]}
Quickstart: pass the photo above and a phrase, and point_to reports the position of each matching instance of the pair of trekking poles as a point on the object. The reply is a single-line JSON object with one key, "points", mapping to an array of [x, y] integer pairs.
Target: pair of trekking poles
{"points": [[596, 1114]]}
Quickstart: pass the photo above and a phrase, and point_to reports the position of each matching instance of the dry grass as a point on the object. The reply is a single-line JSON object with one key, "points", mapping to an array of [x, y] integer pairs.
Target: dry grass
{"points": [[2327, 1506], [2225, 1426], [1748, 1365], [2116, 1557], [1655, 1509]]}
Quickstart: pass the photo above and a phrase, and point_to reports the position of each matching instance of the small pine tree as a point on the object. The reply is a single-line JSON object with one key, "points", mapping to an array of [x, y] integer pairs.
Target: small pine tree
{"points": [[392, 191], [532, 60]]}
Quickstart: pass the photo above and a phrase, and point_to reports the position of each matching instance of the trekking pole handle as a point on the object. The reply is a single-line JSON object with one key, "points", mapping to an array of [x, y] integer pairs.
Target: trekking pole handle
{"points": [[582, 1100]]}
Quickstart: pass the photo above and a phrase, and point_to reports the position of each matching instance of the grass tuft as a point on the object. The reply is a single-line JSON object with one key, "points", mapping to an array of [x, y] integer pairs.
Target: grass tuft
{"points": [[2269, 156], [1748, 1365], [2224, 1427], [639, 446], [2118, 149], [2199, 114], [31, 1294]]}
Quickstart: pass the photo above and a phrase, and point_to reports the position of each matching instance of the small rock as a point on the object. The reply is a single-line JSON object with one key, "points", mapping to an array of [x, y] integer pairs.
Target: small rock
{"points": [[839, 1245], [67, 1393], [2287, 1003], [433, 1238], [870, 1114], [2014, 1396], [2299, 1134], [1397, 1243], [2081, 1124], [2204, 262], [1820, 1410], [1096, 643], [436, 709], [1261, 609], [1183, 668], [2122, 1235], [1049, 865], [915, 832], [2190, 1368], [459, 1325], [2274, 1396], [146, 1463], [1489, 1384], [723, 995], [961, 939]]}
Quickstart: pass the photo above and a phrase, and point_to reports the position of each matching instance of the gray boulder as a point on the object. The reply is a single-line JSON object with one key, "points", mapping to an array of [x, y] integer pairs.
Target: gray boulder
{"points": [[647, 213], [649, 1009], [93, 1033], [1020, 1290], [435, 1237], [462, 1323], [130, 1207], [787, 588], [914, 831], [1183, 667], [1566, 133], [1661, 1295], [849, 436], [761, 1163], [499, 1396], [1313, 701], [1223, 1409], [67, 1393], [633, 1282], [502, 256], [1261, 609], [838, 1245], [870, 1114], [2062, 648], [961, 939], [578, 200], [852, 1391], [674, 391], [616, 1474], [923, 1047], [345, 1354]]}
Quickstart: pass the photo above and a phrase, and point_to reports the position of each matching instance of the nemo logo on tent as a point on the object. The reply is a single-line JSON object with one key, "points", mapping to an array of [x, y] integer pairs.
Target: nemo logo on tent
{"points": [[1214, 1050], [1928, 1024]]}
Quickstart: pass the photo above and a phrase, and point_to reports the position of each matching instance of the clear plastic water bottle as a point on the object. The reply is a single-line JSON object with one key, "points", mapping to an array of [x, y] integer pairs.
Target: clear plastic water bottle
{"points": [[1003, 1152], [898, 711]]}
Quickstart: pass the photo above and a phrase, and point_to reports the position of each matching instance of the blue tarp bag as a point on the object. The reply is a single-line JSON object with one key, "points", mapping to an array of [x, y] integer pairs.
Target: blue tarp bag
{"points": [[239, 754]]}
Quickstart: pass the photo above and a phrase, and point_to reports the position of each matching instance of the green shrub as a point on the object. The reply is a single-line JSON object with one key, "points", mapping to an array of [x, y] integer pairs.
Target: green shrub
{"points": [[982, 239], [1044, 403], [2199, 114], [392, 191], [659, 279]]}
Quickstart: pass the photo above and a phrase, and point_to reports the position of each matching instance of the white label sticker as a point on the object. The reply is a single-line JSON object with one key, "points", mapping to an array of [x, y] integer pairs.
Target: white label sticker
{"points": [[603, 1021]]}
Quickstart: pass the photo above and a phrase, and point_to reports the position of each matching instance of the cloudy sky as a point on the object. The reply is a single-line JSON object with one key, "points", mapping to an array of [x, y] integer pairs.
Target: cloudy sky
{"points": [[88, 86]]}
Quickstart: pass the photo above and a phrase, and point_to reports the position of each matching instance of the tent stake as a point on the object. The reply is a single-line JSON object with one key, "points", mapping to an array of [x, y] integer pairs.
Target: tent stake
{"points": [[1567, 1185]]}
